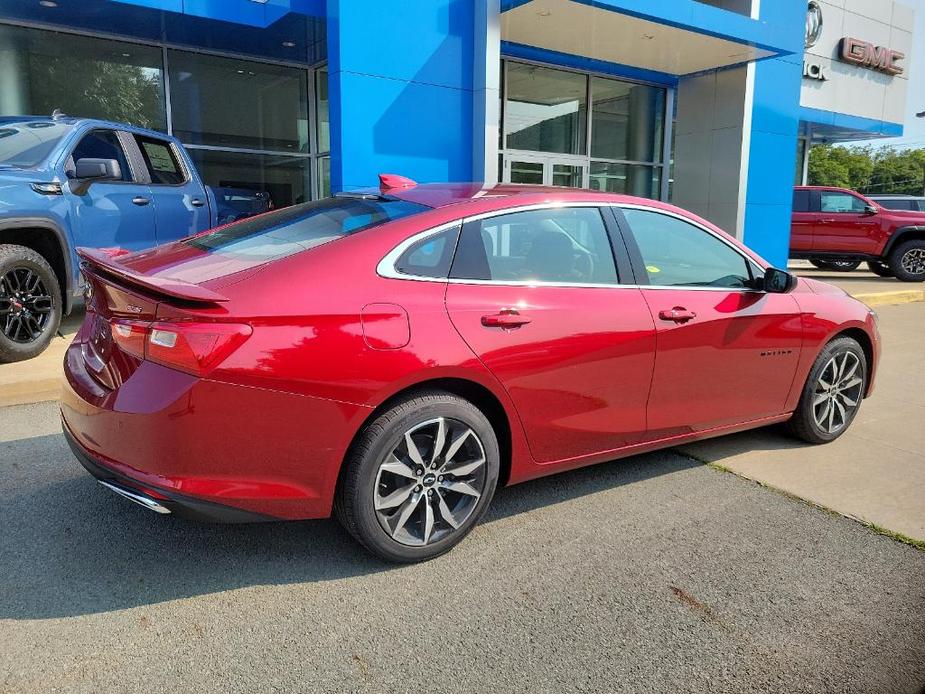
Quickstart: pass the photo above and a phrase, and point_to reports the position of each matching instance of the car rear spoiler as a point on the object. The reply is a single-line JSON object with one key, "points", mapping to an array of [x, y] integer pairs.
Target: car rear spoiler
{"points": [[166, 286]]}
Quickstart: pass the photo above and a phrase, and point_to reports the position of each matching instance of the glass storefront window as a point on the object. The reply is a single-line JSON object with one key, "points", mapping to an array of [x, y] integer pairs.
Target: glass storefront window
{"points": [[324, 177], [627, 120], [81, 76], [321, 110], [236, 103], [626, 179], [545, 109], [279, 180]]}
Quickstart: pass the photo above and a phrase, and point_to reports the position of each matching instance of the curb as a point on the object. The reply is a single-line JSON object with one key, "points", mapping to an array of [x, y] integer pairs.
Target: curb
{"points": [[902, 296]]}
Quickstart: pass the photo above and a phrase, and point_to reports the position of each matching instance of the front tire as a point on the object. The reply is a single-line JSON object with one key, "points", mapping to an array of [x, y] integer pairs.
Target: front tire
{"points": [[832, 393], [30, 303], [844, 265], [419, 477], [907, 261]]}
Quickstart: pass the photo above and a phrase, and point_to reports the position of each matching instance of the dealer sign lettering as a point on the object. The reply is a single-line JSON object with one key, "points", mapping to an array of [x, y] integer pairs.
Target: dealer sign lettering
{"points": [[870, 56]]}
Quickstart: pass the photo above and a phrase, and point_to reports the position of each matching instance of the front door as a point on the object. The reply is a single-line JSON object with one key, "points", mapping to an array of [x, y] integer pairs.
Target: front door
{"points": [[546, 170], [726, 353], [111, 213], [535, 295], [845, 225]]}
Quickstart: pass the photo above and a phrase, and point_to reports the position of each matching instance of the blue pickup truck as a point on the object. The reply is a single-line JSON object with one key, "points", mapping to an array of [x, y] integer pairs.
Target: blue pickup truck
{"points": [[68, 182]]}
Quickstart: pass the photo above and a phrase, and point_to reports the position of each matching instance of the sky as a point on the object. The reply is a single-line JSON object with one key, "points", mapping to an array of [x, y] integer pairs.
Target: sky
{"points": [[914, 133]]}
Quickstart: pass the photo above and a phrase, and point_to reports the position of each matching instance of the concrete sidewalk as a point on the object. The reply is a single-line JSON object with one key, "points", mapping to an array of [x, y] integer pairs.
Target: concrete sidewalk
{"points": [[39, 379], [876, 471]]}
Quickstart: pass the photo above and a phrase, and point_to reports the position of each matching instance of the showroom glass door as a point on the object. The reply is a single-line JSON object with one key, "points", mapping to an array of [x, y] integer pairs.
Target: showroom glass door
{"points": [[547, 170]]}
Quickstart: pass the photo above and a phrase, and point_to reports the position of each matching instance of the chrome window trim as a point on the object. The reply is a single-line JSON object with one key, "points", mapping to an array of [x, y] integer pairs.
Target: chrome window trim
{"points": [[386, 267]]}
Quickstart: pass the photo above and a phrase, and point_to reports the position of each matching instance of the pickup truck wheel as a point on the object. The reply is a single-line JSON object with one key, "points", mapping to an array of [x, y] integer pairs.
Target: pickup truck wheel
{"points": [[821, 264], [30, 303], [879, 269], [908, 261], [844, 265]]}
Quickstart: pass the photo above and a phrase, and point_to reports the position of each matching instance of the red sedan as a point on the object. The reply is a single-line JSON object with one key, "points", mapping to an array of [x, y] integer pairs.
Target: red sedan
{"points": [[394, 355]]}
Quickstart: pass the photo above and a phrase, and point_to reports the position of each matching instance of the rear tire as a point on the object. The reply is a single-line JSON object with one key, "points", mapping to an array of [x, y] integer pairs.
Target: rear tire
{"points": [[832, 393], [879, 269], [907, 261], [30, 303], [410, 505]]}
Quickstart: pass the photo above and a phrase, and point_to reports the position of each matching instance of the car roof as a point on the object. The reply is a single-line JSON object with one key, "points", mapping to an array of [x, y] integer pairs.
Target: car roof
{"points": [[75, 121], [439, 195]]}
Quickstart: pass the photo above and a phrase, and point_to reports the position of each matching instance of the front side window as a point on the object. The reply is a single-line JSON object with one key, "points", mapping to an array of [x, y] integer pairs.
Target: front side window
{"points": [[678, 254], [840, 203], [102, 144], [559, 245], [162, 163]]}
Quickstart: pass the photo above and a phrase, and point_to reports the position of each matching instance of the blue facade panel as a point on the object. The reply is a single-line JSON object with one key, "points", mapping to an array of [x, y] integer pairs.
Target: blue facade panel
{"points": [[401, 83], [772, 146]]}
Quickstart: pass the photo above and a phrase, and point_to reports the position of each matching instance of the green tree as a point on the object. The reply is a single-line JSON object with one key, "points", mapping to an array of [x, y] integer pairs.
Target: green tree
{"points": [[868, 170]]}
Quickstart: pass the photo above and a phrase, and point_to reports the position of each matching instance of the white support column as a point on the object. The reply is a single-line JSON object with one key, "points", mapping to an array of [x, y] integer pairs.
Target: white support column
{"points": [[486, 90]]}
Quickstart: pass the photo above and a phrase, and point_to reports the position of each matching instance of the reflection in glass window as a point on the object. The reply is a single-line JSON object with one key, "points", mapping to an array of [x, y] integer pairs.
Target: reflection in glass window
{"points": [[840, 202], [322, 111], [626, 120], [237, 103], [676, 253], [324, 177], [81, 76], [281, 180], [564, 245], [546, 109], [626, 179]]}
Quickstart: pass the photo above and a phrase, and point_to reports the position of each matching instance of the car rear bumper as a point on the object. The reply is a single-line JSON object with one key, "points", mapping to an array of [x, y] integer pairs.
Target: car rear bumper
{"points": [[158, 500], [208, 449]]}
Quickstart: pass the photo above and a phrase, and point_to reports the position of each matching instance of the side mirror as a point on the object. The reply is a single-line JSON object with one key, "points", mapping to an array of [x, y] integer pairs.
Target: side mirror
{"points": [[778, 281], [88, 170], [870, 210]]}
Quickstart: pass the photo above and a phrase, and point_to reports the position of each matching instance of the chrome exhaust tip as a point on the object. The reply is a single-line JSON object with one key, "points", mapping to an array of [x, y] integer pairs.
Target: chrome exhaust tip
{"points": [[137, 497]]}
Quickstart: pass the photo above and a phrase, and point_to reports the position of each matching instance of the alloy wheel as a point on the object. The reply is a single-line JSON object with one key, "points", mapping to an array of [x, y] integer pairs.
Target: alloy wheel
{"points": [[838, 392], [25, 305], [913, 261], [430, 483]]}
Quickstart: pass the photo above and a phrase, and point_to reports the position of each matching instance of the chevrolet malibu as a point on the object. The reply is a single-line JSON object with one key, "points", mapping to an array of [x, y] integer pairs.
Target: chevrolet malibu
{"points": [[394, 355]]}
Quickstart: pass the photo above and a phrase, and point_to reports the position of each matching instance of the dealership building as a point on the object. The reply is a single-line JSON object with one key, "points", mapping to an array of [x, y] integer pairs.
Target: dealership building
{"points": [[710, 105]]}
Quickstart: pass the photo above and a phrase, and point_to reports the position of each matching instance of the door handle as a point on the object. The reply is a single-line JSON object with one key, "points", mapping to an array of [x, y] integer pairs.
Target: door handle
{"points": [[507, 318], [196, 202], [678, 314], [139, 200]]}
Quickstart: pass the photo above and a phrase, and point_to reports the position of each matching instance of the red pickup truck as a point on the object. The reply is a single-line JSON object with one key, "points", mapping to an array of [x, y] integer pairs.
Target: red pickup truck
{"points": [[838, 229]]}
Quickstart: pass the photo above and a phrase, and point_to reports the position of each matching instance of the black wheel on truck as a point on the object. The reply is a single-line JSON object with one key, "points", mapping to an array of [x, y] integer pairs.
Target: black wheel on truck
{"points": [[30, 303]]}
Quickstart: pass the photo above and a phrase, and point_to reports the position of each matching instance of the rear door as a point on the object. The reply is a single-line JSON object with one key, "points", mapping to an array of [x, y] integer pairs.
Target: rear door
{"points": [[111, 213], [845, 225], [802, 222], [537, 297], [726, 353], [181, 205]]}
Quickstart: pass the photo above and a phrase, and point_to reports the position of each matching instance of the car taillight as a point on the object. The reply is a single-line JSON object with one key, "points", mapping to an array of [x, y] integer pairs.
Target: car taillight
{"points": [[195, 348]]}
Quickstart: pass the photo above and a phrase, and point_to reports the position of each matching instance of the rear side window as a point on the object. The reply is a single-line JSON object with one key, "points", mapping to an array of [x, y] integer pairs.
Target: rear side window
{"points": [[102, 144], [430, 257], [558, 245], [801, 201], [298, 228], [678, 254], [161, 161]]}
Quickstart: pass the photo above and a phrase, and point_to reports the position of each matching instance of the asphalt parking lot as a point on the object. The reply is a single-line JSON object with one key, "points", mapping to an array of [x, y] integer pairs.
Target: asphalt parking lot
{"points": [[654, 574]]}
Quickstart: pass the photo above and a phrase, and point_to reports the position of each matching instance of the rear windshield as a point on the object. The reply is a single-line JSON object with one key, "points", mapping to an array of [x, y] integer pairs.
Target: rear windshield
{"points": [[300, 227]]}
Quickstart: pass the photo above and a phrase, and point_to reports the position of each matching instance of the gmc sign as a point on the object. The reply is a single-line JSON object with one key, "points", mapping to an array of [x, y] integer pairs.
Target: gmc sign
{"points": [[870, 56]]}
